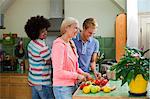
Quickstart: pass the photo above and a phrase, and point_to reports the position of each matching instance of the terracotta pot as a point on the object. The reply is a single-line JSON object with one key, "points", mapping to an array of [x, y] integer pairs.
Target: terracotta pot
{"points": [[139, 85]]}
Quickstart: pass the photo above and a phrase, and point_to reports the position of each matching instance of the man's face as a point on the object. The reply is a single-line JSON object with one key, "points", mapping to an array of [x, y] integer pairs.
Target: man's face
{"points": [[89, 32]]}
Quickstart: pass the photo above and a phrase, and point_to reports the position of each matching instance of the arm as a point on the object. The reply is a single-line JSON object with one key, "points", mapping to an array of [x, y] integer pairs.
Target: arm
{"points": [[85, 74], [94, 58], [45, 54], [93, 62]]}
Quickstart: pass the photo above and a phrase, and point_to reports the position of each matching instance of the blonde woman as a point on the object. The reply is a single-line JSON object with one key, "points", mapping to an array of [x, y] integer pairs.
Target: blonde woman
{"points": [[65, 61]]}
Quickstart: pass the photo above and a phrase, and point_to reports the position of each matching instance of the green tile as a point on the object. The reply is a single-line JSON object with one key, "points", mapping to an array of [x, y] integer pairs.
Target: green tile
{"points": [[114, 43], [109, 42], [107, 46], [109, 53], [102, 50], [101, 43]]}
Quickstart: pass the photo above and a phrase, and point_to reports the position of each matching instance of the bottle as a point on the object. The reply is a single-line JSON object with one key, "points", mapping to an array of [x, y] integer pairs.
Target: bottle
{"points": [[22, 67], [109, 74], [113, 75]]}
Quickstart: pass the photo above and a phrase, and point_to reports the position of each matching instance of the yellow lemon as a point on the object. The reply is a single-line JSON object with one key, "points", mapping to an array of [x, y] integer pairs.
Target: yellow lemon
{"points": [[107, 89], [86, 89]]}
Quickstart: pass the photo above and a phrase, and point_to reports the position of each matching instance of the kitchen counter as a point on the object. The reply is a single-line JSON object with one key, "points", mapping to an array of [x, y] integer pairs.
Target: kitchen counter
{"points": [[14, 73], [120, 93]]}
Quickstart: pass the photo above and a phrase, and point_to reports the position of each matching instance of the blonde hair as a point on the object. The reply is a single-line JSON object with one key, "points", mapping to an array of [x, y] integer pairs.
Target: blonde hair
{"points": [[67, 22], [89, 22]]}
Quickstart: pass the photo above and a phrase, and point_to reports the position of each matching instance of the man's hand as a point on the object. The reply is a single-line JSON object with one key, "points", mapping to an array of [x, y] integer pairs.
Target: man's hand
{"points": [[97, 75]]}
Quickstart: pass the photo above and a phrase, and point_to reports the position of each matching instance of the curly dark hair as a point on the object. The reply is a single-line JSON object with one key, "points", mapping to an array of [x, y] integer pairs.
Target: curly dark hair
{"points": [[34, 25]]}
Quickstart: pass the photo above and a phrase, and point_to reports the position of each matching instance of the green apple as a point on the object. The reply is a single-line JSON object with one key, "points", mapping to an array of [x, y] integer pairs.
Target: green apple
{"points": [[94, 89]]}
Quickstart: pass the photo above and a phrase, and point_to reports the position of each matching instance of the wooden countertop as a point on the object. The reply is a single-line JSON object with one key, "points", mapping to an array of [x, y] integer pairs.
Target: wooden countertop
{"points": [[120, 93], [12, 73]]}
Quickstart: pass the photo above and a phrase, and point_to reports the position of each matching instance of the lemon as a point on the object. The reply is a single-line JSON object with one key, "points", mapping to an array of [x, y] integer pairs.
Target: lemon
{"points": [[86, 89], [107, 89]]}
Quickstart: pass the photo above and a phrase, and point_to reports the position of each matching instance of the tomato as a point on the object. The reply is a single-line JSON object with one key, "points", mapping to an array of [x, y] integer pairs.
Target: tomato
{"points": [[98, 82], [83, 85], [103, 82]]}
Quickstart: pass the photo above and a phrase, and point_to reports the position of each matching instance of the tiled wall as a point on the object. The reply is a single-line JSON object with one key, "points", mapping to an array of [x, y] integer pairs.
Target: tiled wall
{"points": [[107, 46]]}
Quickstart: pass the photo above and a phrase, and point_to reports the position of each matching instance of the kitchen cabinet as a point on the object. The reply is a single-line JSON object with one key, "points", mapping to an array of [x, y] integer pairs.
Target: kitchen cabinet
{"points": [[14, 87], [4, 87]]}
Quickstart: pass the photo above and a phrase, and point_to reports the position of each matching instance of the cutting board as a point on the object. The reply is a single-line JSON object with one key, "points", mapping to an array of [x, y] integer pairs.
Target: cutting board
{"points": [[121, 35]]}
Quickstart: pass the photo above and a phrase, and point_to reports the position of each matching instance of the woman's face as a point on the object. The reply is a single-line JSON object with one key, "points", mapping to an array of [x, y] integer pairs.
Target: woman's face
{"points": [[72, 30], [43, 34]]}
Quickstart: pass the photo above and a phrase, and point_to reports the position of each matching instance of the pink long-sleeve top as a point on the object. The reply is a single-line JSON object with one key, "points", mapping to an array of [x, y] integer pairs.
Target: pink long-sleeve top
{"points": [[65, 64]]}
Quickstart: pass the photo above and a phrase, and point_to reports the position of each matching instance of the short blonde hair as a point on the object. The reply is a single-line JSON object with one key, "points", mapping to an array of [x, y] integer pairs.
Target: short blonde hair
{"points": [[90, 22], [67, 22]]}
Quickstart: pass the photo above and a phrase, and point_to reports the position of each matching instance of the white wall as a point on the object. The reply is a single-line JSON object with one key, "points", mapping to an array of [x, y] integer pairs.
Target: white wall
{"points": [[122, 3], [20, 11], [103, 10], [4, 5], [132, 23]]}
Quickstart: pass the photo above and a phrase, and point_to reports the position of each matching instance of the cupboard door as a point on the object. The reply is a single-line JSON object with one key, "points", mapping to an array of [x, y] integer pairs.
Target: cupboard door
{"points": [[18, 80], [4, 87], [4, 79], [19, 88], [20, 91], [4, 91]]}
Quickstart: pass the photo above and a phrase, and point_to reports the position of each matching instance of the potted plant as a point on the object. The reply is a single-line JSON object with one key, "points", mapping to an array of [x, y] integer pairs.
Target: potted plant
{"points": [[133, 68]]}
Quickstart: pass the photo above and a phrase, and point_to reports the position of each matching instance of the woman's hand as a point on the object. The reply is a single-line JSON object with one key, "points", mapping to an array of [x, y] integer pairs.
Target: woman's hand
{"points": [[81, 77], [87, 76]]}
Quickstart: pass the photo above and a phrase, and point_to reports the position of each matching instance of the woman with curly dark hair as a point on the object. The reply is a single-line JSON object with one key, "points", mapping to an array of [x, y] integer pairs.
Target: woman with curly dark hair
{"points": [[39, 76]]}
